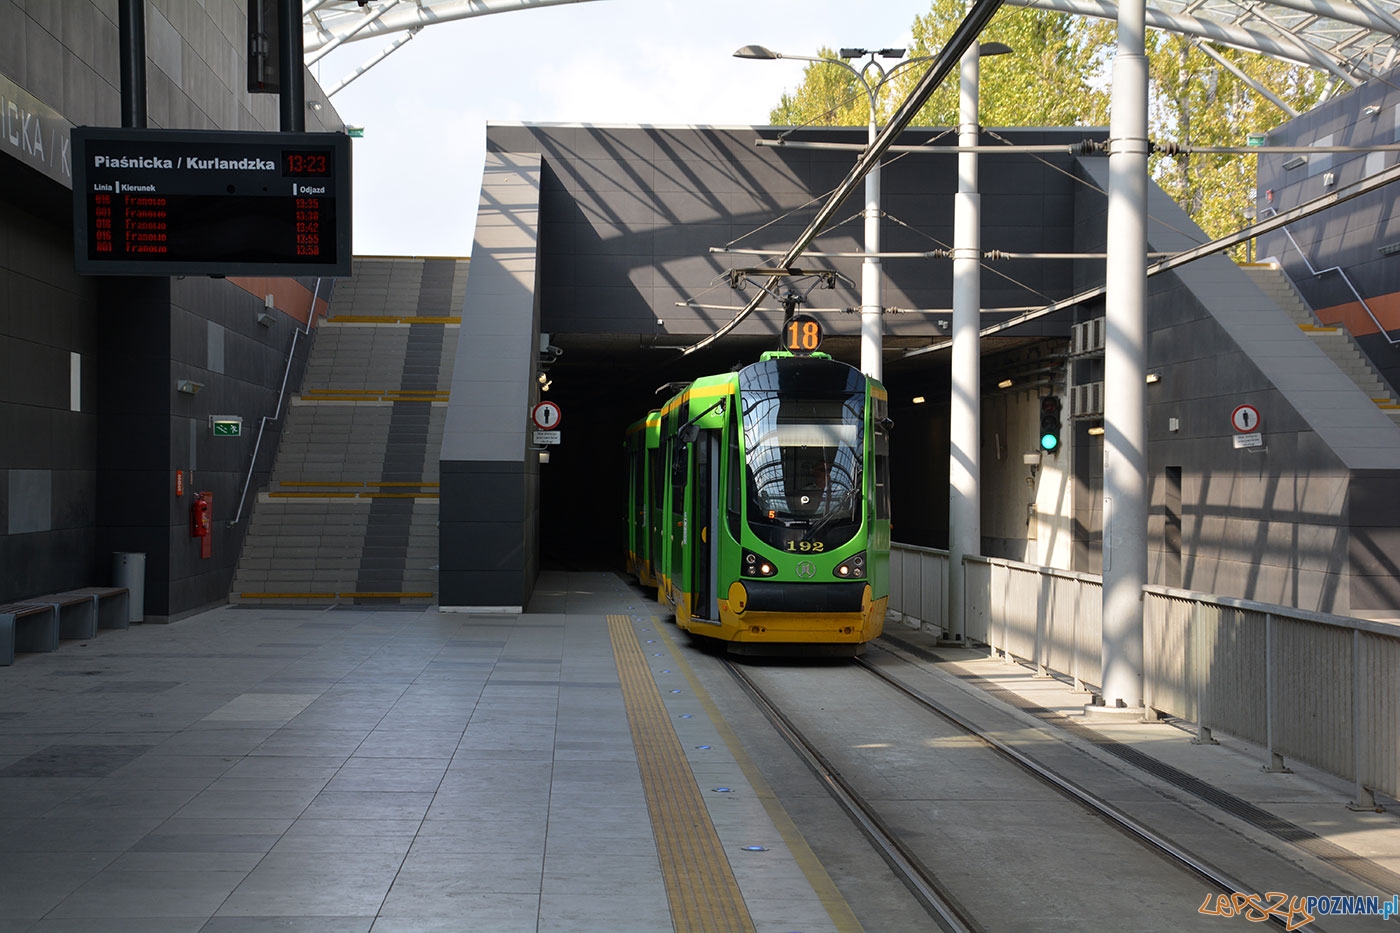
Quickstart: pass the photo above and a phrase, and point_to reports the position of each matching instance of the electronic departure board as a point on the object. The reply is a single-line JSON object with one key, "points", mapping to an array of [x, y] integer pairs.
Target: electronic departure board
{"points": [[183, 202]]}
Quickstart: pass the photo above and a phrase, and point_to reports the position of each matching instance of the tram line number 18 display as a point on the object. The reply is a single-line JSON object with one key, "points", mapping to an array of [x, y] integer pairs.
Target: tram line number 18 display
{"points": [[802, 334]]}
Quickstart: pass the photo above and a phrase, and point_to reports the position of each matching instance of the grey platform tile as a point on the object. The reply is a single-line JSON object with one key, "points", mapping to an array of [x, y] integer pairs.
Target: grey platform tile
{"points": [[602, 872], [217, 741], [237, 803], [142, 894], [294, 886], [394, 775], [112, 798], [32, 884], [418, 912], [299, 742], [387, 743], [326, 837], [74, 761], [479, 807], [289, 925], [436, 879], [73, 834], [160, 770], [178, 861], [118, 925], [616, 913], [480, 836], [369, 805], [192, 843]]}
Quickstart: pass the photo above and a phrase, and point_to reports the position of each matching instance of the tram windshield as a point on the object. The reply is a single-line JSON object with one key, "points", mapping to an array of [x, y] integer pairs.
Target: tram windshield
{"points": [[804, 465]]}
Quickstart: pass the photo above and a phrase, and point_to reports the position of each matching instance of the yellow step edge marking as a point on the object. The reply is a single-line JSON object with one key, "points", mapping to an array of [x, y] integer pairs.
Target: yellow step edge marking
{"points": [[298, 482], [700, 884], [335, 595], [330, 494], [434, 485], [842, 917], [314, 495], [286, 596], [1320, 328], [392, 319]]}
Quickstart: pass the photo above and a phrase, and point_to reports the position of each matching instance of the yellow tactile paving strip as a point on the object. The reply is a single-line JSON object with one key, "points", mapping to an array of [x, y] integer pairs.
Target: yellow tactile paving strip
{"points": [[700, 885], [337, 489]]}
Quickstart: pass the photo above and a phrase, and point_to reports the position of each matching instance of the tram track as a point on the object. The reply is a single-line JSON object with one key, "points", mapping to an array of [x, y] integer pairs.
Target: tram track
{"points": [[939, 898]]}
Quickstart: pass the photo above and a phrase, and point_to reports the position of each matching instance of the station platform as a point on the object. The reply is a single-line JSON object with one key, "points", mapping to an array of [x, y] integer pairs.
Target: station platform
{"points": [[350, 769]]}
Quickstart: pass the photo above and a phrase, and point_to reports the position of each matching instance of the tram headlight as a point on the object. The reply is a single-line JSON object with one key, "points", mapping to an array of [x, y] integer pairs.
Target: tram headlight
{"points": [[756, 566], [852, 568]]}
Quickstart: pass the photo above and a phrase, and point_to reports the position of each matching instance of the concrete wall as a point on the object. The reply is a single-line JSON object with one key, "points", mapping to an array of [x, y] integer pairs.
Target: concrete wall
{"points": [[81, 478], [1271, 523], [1362, 237]]}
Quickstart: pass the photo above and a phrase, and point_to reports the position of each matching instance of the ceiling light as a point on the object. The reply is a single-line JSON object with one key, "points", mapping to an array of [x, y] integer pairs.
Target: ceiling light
{"points": [[1096, 430], [1004, 384], [918, 400]]}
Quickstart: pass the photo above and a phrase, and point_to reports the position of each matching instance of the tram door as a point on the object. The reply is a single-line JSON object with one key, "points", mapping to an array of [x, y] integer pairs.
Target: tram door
{"points": [[703, 571]]}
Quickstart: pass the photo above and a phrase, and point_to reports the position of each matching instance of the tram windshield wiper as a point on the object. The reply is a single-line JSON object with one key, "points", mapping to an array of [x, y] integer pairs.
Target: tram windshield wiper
{"points": [[839, 509]]}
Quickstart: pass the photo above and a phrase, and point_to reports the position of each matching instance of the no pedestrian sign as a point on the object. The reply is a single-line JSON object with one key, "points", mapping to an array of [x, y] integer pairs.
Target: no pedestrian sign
{"points": [[1245, 419], [546, 416]]}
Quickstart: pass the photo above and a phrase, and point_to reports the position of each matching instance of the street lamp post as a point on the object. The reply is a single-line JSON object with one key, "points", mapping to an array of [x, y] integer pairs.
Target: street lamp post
{"points": [[871, 327], [871, 280]]}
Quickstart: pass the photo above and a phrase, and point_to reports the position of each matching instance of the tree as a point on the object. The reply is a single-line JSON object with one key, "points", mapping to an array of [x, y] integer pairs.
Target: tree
{"points": [[1059, 76]]}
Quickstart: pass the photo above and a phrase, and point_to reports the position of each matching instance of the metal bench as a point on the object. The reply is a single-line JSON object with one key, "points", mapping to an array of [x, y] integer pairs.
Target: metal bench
{"points": [[27, 627], [110, 604], [77, 614]]}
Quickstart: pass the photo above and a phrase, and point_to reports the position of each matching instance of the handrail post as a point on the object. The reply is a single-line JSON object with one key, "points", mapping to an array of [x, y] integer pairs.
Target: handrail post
{"points": [[1365, 800], [1275, 765], [1194, 639]]}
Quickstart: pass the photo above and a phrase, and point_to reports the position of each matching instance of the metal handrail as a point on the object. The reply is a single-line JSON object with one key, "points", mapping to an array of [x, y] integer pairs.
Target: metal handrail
{"points": [[1345, 278], [262, 425]]}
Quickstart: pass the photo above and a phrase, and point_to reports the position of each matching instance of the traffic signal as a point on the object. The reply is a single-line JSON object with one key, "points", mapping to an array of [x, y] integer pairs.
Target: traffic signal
{"points": [[1050, 423]]}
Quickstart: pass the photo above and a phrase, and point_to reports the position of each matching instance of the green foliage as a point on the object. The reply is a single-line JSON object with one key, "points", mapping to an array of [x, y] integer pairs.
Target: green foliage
{"points": [[1059, 76]]}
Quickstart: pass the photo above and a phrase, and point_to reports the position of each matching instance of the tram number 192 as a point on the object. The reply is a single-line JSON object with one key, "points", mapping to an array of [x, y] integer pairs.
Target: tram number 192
{"points": [[802, 334]]}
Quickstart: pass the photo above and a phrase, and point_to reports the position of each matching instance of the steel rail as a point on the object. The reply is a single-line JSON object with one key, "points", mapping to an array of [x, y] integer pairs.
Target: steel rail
{"points": [[1103, 808], [915, 875]]}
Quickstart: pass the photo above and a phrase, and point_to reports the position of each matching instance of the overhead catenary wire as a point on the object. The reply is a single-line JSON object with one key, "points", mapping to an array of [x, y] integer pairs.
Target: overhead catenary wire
{"points": [[948, 57]]}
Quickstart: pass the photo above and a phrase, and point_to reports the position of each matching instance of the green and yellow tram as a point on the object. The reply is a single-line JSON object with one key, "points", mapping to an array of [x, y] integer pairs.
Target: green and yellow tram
{"points": [[759, 505]]}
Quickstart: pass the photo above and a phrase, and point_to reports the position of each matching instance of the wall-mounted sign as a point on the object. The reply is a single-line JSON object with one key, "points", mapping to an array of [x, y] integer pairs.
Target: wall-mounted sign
{"points": [[546, 415], [183, 202], [226, 425], [1245, 419]]}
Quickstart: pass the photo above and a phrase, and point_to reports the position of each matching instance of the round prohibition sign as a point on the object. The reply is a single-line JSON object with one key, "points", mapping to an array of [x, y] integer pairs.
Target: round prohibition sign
{"points": [[546, 416], [1245, 419]]}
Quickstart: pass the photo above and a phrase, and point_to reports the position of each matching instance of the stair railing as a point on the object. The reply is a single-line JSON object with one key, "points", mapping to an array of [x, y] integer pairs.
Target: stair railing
{"points": [[1345, 278], [262, 425]]}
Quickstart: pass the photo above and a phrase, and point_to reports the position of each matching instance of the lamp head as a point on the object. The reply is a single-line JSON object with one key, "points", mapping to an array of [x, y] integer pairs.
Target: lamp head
{"points": [[756, 51], [993, 48], [891, 53], [849, 54]]}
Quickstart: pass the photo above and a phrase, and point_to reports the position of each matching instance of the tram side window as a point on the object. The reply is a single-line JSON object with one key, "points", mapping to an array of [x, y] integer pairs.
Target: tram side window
{"points": [[679, 473], [880, 417], [657, 461], [734, 493]]}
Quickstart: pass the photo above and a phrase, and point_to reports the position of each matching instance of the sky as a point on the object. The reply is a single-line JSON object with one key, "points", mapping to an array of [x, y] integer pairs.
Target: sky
{"points": [[425, 108]]}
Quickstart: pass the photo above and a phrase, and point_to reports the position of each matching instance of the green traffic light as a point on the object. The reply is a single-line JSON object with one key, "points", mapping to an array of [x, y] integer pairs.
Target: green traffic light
{"points": [[1049, 442]]}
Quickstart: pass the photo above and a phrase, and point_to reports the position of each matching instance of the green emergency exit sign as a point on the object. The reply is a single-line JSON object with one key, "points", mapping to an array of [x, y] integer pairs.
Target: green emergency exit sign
{"points": [[226, 425]]}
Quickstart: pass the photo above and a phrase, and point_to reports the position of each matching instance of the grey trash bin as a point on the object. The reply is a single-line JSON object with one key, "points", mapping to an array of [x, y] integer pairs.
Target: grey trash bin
{"points": [[129, 570]]}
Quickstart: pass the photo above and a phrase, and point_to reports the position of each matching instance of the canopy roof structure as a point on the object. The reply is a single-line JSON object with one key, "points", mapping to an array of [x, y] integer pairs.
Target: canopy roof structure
{"points": [[1351, 40]]}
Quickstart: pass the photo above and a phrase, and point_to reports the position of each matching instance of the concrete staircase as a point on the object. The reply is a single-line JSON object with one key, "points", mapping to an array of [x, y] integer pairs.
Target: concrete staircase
{"points": [[1335, 341], [351, 511]]}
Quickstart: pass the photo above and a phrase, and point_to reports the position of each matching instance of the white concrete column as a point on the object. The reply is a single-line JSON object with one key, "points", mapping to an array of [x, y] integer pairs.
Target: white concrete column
{"points": [[872, 333], [964, 417], [1125, 398]]}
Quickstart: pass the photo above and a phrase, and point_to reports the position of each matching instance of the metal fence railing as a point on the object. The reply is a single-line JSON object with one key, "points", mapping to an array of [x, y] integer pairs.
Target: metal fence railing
{"points": [[1316, 688]]}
